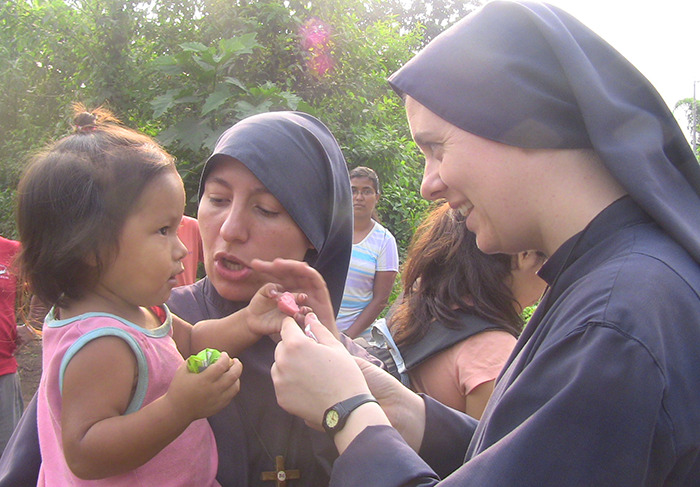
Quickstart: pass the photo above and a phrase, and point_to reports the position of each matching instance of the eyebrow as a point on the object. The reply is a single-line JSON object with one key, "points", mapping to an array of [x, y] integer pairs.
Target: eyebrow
{"points": [[261, 189]]}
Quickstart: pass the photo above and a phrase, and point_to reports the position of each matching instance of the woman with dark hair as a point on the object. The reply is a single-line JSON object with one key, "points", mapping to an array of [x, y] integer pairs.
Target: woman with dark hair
{"points": [[544, 137], [460, 314]]}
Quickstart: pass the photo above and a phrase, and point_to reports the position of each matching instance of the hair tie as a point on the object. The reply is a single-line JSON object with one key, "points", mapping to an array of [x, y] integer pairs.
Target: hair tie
{"points": [[81, 129]]}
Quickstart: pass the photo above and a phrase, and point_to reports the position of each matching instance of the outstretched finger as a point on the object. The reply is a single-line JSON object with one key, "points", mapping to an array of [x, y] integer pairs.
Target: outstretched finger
{"points": [[292, 274]]}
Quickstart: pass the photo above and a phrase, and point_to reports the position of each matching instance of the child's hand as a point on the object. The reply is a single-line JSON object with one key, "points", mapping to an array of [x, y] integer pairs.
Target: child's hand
{"points": [[270, 306], [292, 305], [301, 278], [204, 394]]}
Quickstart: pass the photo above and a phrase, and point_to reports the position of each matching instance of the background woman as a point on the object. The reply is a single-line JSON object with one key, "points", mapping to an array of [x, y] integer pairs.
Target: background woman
{"points": [[374, 262]]}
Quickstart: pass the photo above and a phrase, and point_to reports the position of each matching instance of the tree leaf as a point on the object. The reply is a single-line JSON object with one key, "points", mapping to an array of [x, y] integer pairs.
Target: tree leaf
{"points": [[216, 99], [193, 46], [162, 103]]}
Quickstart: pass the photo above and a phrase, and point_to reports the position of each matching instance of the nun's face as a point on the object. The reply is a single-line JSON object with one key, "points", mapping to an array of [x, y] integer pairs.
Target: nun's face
{"points": [[240, 220], [486, 181]]}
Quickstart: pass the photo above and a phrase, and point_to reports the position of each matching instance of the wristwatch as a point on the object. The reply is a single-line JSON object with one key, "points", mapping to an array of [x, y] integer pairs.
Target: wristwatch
{"points": [[335, 416]]}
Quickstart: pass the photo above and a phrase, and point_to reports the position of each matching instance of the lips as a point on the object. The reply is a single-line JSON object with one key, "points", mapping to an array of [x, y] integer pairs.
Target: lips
{"points": [[231, 268]]}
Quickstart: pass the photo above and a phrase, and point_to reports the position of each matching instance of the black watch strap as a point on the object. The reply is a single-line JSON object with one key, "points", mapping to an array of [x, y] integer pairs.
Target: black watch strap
{"points": [[335, 416]]}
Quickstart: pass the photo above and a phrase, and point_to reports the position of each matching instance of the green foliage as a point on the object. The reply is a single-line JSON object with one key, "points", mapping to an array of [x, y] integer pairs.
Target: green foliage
{"points": [[185, 70], [527, 313], [207, 98], [691, 107], [436, 15]]}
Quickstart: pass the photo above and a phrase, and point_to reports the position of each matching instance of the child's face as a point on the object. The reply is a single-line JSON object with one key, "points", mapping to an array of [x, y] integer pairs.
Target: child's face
{"points": [[150, 252], [486, 181]]}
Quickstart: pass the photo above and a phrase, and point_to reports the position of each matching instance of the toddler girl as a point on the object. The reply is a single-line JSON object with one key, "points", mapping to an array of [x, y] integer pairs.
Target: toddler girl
{"points": [[98, 215]]}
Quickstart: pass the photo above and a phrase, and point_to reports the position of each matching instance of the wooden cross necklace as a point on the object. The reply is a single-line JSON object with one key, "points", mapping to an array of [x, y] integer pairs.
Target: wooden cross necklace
{"points": [[280, 476]]}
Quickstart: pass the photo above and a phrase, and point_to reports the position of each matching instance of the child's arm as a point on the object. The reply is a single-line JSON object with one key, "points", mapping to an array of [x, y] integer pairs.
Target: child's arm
{"points": [[98, 440], [240, 330]]}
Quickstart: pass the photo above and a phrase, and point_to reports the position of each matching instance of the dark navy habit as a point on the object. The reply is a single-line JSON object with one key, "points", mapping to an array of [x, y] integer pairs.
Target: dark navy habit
{"points": [[297, 158], [603, 387]]}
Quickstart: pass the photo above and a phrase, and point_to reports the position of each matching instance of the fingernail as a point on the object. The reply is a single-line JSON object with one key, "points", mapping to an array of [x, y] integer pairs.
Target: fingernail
{"points": [[309, 333]]}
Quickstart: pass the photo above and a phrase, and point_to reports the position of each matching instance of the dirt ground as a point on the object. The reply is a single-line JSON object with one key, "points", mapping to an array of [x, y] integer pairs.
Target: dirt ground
{"points": [[29, 362]]}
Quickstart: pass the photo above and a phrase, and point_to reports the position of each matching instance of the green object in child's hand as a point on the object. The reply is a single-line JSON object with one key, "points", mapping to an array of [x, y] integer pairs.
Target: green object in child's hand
{"points": [[197, 363]]}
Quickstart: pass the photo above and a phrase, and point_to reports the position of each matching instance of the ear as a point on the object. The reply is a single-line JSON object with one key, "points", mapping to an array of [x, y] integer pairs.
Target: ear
{"points": [[528, 260]]}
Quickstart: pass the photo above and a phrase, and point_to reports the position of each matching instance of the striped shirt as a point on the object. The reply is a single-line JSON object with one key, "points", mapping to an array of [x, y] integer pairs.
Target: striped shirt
{"points": [[376, 252]]}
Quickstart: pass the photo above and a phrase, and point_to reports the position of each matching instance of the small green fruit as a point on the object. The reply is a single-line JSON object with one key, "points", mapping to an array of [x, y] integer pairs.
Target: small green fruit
{"points": [[197, 363]]}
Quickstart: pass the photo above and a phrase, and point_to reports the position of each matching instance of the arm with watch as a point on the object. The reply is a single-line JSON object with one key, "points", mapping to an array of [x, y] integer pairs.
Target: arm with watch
{"points": [[323, 384]]}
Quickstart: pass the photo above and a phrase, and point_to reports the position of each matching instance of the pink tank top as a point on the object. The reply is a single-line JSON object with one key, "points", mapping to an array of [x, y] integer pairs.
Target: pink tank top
{"points": [[189, 460]]}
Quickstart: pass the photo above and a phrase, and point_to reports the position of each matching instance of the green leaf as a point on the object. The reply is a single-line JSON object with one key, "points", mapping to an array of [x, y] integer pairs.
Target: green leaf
{"points": [[193, 46], [211, 140], [239, 45], [191, 132], [245, 109], [187, 99], [162, 103], [167, 64], [206, 67], [235, 82], [215, 100]]}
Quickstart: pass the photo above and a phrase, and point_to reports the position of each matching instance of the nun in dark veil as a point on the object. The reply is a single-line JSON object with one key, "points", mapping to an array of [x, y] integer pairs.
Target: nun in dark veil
{"points": [[546, 138], [300, 163], [297, 159]]}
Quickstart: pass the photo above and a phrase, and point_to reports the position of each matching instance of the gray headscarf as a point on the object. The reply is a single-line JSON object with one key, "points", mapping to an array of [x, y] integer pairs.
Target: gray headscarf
{"points": [[299, 161]]}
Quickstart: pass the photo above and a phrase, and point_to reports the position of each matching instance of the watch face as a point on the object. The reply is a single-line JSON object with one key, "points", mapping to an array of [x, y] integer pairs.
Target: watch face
{"points": [[332, 418]]}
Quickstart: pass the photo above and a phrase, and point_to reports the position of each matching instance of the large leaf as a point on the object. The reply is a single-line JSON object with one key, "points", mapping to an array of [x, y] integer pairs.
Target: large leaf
{"points": [[216, 99], [162, 103], [208, 69], [243, 44], [193, 131], [235, 82], [193, 46], [167, 64], [245, 109]]}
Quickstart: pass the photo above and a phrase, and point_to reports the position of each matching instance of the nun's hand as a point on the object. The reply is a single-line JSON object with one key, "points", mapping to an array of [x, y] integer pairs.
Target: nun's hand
{"points": [[299, 277], [311, 376]]}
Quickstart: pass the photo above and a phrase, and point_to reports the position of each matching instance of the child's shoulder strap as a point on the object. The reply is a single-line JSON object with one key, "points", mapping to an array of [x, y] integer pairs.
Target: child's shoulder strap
{"points": [[124, 334]]}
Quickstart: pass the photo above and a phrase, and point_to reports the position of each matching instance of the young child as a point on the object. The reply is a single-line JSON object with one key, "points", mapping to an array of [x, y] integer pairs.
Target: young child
{"points": [[98, 215]]}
